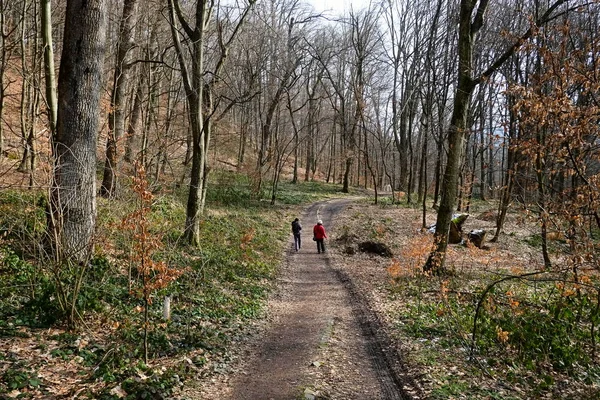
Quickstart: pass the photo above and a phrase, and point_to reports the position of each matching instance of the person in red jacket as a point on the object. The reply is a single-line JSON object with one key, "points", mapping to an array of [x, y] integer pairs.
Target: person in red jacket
{"points": [[319, 236]]}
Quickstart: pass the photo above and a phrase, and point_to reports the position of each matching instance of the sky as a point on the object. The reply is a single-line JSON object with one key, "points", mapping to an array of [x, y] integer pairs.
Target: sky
{"points": [[337, 6]]}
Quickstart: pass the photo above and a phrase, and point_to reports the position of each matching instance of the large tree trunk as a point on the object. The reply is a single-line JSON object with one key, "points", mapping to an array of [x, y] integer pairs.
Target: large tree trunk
{"points": [[457, 132], [116, 118], [73, 195]]}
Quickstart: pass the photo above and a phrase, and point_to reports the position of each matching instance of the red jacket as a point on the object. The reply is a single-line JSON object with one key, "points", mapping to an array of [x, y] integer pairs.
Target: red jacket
{"points": [[319, 232]]}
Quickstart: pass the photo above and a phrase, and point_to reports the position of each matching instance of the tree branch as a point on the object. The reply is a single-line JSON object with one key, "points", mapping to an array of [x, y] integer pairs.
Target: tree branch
{"points": [[177, 42], [544, 19], [186, 27], [478, 20]]}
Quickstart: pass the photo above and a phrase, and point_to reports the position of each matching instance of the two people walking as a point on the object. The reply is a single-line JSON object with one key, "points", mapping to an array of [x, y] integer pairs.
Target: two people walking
{"points": [[319, 235]]}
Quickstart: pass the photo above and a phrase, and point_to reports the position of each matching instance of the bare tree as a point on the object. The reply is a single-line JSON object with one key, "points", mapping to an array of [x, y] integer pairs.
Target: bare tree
{"points": [[194, 87], [200, 98]]}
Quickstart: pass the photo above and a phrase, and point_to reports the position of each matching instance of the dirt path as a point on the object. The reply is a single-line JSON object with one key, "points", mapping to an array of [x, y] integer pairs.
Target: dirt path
{"points": [[322, 341]]}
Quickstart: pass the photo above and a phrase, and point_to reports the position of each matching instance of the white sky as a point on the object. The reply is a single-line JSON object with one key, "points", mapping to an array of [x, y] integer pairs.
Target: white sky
{"points": [[337, 7]]}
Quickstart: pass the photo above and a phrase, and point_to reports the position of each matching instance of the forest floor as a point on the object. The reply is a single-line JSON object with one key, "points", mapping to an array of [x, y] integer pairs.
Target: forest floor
{"points": [[332, 327], [349, 325]]}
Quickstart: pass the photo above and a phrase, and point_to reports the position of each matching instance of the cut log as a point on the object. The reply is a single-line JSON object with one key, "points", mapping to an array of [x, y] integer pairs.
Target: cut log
{"points": [[376, 248], [477, 237]]}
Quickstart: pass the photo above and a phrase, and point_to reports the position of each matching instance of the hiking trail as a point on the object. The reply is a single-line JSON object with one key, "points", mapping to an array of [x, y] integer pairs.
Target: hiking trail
{"points": [[321, 341]]}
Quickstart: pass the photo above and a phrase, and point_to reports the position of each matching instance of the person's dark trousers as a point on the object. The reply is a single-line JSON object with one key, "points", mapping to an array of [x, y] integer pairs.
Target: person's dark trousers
{"points": [[297, 241], [320, 246]]}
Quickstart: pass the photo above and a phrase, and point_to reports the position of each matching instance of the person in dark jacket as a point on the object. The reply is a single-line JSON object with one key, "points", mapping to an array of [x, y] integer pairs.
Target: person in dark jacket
{"points": [[296, 228], [319, 236]]}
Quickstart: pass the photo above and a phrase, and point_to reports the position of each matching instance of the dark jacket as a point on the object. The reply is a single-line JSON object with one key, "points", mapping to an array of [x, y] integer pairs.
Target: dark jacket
{"points": [[296, 227]]}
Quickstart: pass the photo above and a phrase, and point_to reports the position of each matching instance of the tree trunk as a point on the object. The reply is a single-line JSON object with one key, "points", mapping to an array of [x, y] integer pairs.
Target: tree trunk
{"points": [[457, 132], [73, 194], [51, 100], [245, 122], [507, 187], [194, 87], [116, 117], [541, 175], [4, 57], [193, 210], [422, 195], [135, 121], [27, 116]]}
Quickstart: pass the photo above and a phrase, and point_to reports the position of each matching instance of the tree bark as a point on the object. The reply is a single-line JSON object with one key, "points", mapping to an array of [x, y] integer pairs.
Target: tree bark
{"points": [[73, 193], [51, 99], [135, 121], [457, 131], [4, 56]]}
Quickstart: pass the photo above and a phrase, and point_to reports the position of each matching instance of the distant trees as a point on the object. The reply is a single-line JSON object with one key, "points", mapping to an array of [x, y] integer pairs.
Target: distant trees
{"points": [[121, 81]]}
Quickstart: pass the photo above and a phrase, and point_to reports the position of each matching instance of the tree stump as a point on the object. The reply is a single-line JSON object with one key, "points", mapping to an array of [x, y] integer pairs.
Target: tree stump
{"points": [[349, 250], [455, 235]]}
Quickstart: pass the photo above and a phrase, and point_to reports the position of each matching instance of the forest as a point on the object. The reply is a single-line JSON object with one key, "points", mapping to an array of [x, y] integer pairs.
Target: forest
{"points": [[152, 153]]}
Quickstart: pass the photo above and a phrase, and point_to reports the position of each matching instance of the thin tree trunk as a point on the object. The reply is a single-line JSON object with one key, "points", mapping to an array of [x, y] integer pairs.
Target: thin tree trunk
{"points": [[50, 76], [121, 78], [135, 121], [4, 56], [507, 187]]}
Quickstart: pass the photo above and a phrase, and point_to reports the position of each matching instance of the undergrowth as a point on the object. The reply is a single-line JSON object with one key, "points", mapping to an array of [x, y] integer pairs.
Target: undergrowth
{"points": [[224, 286], [529, 328]]}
